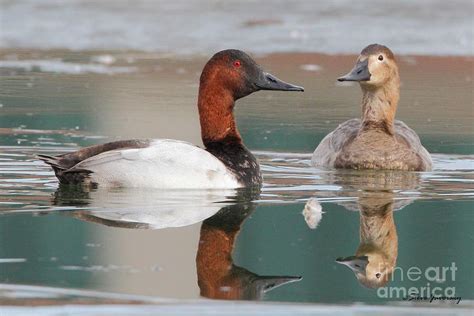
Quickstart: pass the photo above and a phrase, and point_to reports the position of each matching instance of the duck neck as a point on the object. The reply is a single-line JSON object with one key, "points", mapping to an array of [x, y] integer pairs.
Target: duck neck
{"points": [[214, 263], [216, 115], [379, 105], [214, 256], [377, 227]]}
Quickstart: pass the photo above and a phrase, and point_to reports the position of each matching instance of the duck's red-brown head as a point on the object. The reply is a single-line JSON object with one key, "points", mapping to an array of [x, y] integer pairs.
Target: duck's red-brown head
{"points": [[236, 72], [230, 75]]}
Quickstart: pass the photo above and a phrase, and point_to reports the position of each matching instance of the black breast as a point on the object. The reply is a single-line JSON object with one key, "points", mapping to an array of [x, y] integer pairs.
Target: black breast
{"points": [[239, 160]]}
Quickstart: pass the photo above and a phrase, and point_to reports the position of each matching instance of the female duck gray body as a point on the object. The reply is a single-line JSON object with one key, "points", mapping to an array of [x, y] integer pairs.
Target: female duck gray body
{"points": [[162, 163], [377, 141]]}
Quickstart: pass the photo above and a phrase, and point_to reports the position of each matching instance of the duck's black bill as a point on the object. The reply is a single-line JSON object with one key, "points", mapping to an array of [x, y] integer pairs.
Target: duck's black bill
{"points": [[268, 283], [270, 82], [356, 264], [360, 72]]}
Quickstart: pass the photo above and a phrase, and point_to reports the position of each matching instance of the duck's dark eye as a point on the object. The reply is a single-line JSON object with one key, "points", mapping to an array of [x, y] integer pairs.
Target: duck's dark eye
{"points": [[377, 275], [237, 63], [380, 57]]}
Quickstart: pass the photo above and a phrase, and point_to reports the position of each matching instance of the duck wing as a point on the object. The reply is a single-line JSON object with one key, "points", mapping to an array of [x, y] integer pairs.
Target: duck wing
{"points": [[162, 163], [69, 160], [413, 142], [331, 145], [64, 162]]}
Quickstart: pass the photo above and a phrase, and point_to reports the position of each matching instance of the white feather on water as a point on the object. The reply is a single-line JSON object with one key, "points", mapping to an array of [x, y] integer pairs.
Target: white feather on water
{"points": [[313, 213]]}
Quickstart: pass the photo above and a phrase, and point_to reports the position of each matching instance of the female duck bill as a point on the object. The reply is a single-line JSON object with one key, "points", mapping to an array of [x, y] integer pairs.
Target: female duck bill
{"points": [[360, 72]]}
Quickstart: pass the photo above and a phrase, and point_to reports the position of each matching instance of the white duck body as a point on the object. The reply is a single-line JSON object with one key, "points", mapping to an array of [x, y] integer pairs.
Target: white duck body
{"points": [[165, 163]]}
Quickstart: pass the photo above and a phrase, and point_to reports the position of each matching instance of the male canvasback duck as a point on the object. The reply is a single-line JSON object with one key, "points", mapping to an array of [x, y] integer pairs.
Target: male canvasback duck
{"points": [[376, 257], [377, 141], [162, 163]]}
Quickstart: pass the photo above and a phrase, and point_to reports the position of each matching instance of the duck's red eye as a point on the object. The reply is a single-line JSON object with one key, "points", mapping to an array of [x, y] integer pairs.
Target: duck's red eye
{"points": [[237, 63]]}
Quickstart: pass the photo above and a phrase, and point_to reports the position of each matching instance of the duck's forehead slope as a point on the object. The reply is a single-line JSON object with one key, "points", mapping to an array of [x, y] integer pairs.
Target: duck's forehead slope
{"points": [[232, 54], [377, 49]]}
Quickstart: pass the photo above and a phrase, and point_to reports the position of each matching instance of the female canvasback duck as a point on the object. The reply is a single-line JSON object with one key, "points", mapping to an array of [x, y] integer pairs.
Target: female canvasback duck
{"points": [[162, 163], [377, 141]]}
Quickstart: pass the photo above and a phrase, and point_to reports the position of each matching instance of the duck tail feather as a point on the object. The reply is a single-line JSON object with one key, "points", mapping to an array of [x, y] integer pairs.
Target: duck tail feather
{"points": [[51, 160], [64, 173]]}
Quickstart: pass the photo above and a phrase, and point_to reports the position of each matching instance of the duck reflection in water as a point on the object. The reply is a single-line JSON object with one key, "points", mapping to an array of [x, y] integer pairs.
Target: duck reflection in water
{"points": [[376, 256], [145, 209], [218, 276], [223, 213]]}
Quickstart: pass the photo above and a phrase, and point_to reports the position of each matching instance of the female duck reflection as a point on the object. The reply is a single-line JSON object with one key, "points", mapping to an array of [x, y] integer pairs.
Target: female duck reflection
{"points": [[376, 256], [218, 276]]}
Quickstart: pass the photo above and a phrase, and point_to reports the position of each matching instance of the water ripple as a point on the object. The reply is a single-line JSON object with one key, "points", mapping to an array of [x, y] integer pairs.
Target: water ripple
{"points": [[28, 185]]}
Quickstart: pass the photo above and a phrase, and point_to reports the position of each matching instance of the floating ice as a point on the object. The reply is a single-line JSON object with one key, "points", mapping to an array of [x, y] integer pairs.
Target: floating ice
{"points": [[12, 260], [311, 67], [104, 59], [59, 66]]}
